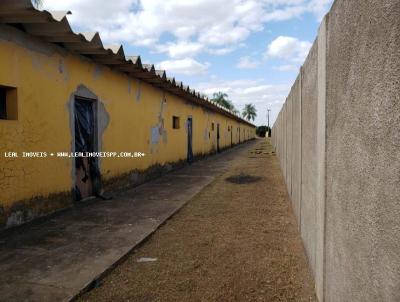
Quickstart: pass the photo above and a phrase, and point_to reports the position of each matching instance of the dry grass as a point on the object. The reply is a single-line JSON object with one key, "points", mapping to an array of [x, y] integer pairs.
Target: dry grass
{"points": [[232, 242]]}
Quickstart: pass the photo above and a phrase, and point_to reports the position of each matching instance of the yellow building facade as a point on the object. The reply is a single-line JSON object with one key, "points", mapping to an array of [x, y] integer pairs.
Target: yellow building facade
{"points": [[41, 83]]}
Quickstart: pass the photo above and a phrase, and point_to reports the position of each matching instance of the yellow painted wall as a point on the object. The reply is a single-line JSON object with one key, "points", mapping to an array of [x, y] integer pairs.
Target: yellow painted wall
{"points": [[46, 77]]}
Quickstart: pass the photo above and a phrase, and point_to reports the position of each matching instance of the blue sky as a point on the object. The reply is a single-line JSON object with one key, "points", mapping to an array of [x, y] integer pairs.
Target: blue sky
{"points": [[249, 49]]}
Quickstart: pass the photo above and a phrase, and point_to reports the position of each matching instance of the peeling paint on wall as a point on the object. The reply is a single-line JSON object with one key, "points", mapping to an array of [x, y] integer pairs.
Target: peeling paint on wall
{"points": [[11, 34], [36, 64], [129, 86], [206, 134], [159, 130], [139, 91], [62, 68], [18, 217], [97, 71], [103, 120], [51, 68], [155, 135], [207, 130]]}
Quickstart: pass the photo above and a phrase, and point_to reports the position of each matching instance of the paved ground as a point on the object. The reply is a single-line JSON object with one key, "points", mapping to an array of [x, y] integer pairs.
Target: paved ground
{"points": [[55, 259], [234, 241]]}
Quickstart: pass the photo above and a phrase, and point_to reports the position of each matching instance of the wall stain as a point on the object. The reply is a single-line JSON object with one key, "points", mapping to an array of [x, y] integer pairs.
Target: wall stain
{"points": [[129, 86], [139, 91], [97, 71], [28, 209], [62, 69], [11, 34], [158, 131]]}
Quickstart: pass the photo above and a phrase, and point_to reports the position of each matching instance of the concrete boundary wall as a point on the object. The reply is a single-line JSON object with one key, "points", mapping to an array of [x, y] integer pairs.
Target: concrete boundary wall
{"points": [[338, 142], [321, 162], [296, 148], [289, 144], [309, 96]]}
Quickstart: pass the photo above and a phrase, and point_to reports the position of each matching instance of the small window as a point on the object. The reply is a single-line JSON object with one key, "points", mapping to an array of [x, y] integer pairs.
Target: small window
{"points": [[229, 129], [8, 103], [212, 126], [175, 122]]}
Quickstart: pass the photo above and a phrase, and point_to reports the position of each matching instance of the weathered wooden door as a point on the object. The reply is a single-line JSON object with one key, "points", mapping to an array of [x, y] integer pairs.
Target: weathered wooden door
{"points": [[85, 141]]}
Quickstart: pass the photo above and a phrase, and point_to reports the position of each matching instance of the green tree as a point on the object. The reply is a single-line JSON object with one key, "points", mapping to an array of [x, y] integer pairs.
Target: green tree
{"points": [[262, 131], [235, 111], [249, 112], [221, 98]]}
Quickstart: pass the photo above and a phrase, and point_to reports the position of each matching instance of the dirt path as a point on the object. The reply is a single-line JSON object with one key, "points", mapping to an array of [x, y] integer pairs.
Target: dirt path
{"points": [[235, 241]]}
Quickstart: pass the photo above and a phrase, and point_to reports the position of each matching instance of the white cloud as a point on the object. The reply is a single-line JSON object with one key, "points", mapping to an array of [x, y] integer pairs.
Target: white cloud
{"points": [[221, 51], [185, 49], [209, 22], [185, 66], [319, 7], [212, 26], [247, 63], [282, 10], [288, 67], [285, 13], [246, 90], [289, 48], [255, 91], [182, 49]]}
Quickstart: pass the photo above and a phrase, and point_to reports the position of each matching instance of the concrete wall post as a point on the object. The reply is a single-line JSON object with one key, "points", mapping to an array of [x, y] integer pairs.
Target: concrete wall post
{"points": [[321, 163]]}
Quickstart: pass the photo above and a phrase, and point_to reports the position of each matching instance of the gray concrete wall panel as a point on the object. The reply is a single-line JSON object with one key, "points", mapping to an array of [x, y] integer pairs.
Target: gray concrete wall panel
{"points": [[363, 152]]}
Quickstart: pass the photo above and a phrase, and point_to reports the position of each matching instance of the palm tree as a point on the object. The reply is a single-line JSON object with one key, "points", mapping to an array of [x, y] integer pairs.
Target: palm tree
{"points": [[37, 3], [249, 112], [221, 98]]}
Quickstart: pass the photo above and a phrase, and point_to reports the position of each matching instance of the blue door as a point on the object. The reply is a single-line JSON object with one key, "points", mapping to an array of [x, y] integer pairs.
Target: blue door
{"points": [[190, 140]]}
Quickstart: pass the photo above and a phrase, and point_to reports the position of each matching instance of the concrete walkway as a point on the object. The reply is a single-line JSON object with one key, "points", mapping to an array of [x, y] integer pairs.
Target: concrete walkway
{"points": [[54, 260]]}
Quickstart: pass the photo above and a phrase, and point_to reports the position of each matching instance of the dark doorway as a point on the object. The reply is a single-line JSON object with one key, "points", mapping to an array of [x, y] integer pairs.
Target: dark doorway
{"points": [[190, 140], [218, 138], [231, 136], [3, 104], [86, 168]]}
